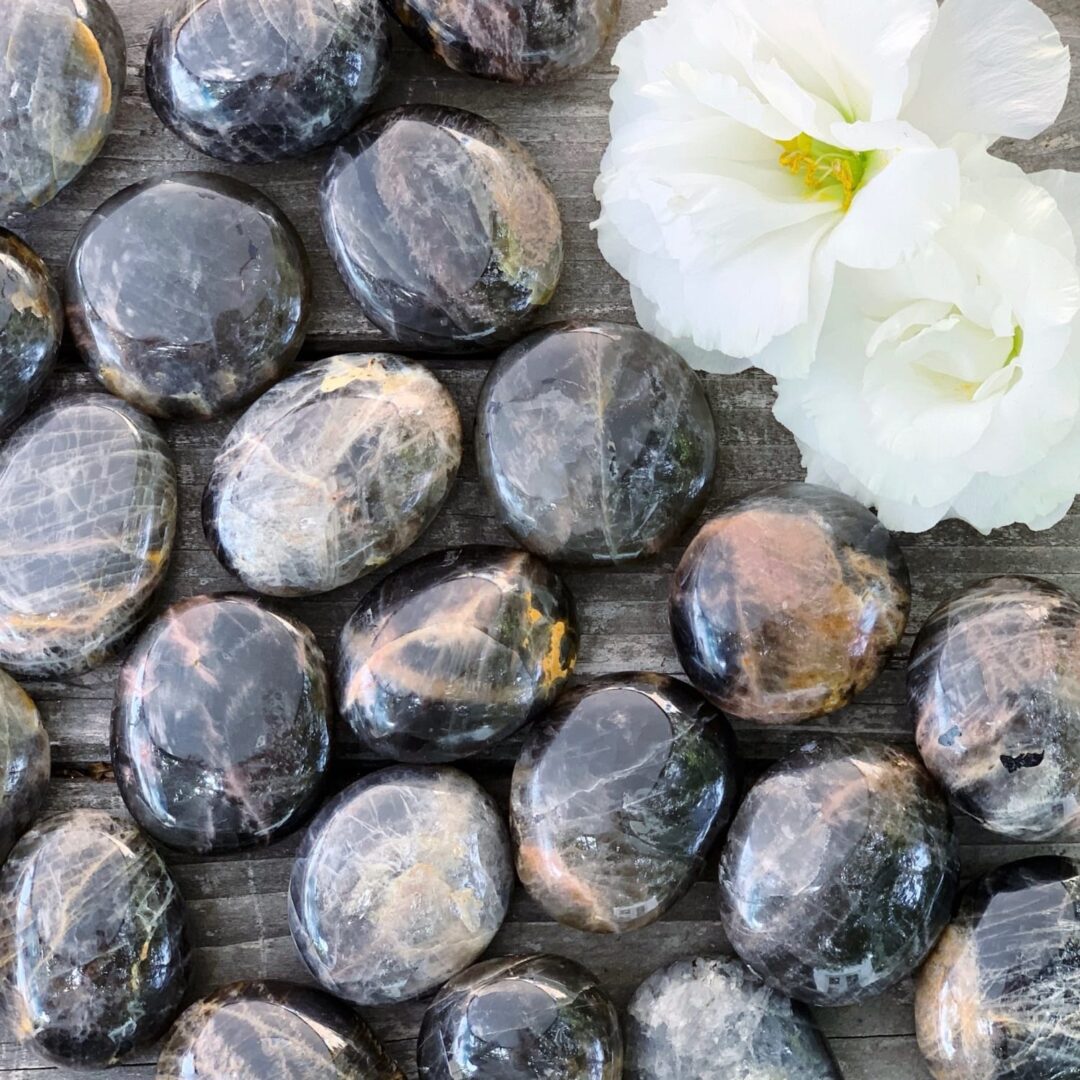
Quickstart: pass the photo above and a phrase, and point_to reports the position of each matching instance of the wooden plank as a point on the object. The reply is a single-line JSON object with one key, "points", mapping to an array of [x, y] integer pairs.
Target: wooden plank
{"points": [[238, 904]]}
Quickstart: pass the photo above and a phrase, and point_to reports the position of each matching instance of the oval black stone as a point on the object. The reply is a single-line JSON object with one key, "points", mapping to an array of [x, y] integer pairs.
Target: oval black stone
{"points": [[254, 82], [272, 1031], [188, 295], [596, 442], [443, 228], [31, 326], [93, 951], [221, 728], [537, 1016], [87, 521], [454, 652], [25, 760], [62, 69]]}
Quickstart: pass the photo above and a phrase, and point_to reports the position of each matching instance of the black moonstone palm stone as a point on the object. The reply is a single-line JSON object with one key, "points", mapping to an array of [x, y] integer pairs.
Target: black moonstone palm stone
{"points": [[454, 652], [262, 80], [788, 603], [221, 727], [701, 1018], [539, 1016], [94, 958], [619, 791], [24, 763], [596, 442], [272, 1031], [62, 68], [839, 871], [87, 522], [527, 41], [188, 295], [31, 326], [402, 880], [994, 692], [997, 998], [332, 473], [442, 227]]}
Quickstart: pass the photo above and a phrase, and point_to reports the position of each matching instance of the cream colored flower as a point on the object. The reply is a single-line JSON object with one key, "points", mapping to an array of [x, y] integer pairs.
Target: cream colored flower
{"points": [[758, 145]]}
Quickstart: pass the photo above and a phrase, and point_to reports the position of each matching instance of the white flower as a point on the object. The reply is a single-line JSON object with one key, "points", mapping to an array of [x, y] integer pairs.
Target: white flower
{"points": [[758, 144], [949, 386]]}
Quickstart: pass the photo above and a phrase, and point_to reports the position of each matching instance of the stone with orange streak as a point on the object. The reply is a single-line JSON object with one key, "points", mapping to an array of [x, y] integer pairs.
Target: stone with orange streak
{"points": [[454, 652], [996, 1000], [221, 728], [788, 603]]}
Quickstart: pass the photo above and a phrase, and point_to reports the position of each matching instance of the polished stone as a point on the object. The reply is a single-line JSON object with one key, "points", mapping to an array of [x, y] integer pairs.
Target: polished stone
{"points": [[221, 727], [788, 603], [62, 68], [620, 790], [93, 953], [272, 1031], [454, 652], [839, 871], [701, 1018], [332, 473], [31, 326], [262, 80], [994, 692], [538, 1016], [596, 442], [24, 763], [401, 881], [443, 228], [188, 295], [531, 41], [997, 998], [87, 521]]}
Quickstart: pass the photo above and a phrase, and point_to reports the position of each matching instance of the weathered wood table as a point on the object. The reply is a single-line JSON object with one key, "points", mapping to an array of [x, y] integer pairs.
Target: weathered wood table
{"points": [[238, 904]]}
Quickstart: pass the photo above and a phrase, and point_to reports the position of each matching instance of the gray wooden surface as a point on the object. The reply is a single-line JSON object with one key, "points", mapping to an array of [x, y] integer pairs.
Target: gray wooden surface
{"points": [[238, 904]]}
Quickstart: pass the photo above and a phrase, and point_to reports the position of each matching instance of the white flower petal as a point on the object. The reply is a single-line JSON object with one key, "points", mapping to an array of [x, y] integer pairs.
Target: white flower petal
{"points": [[898, 210], [993, 67], [700, 359], [1064, 187]]}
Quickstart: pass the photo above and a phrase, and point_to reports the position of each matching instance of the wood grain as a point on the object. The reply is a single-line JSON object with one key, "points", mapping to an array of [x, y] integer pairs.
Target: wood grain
{"points": [[238, 904]]}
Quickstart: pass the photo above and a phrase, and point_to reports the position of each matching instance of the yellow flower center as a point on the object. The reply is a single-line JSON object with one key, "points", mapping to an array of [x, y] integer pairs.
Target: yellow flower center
{"points": [[830, 172]]}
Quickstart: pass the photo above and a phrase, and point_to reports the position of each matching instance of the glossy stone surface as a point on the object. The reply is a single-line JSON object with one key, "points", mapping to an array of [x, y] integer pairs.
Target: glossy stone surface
{"points": [[221, 727], [443, 228], [188, 295], [62, 68], [31, 326], [272, 1031], [332, 473], [87, 521], [24, 763], [596, 442], [713, 1018], [788, 603], [994, 692], [521, 1016], [401, 881], [529, 41], [620, 789], [455, 652], [262, 80], [996, 1000], [93, 954], [839, 871]]}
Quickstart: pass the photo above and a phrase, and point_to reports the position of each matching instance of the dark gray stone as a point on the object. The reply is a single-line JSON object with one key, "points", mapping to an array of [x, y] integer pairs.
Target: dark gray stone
{"points": [[443, 228], [188, 295], [221, 727], [31, 326], [262, 80], [62, 69], [596, 442], [25, 761], [93, 954]]}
